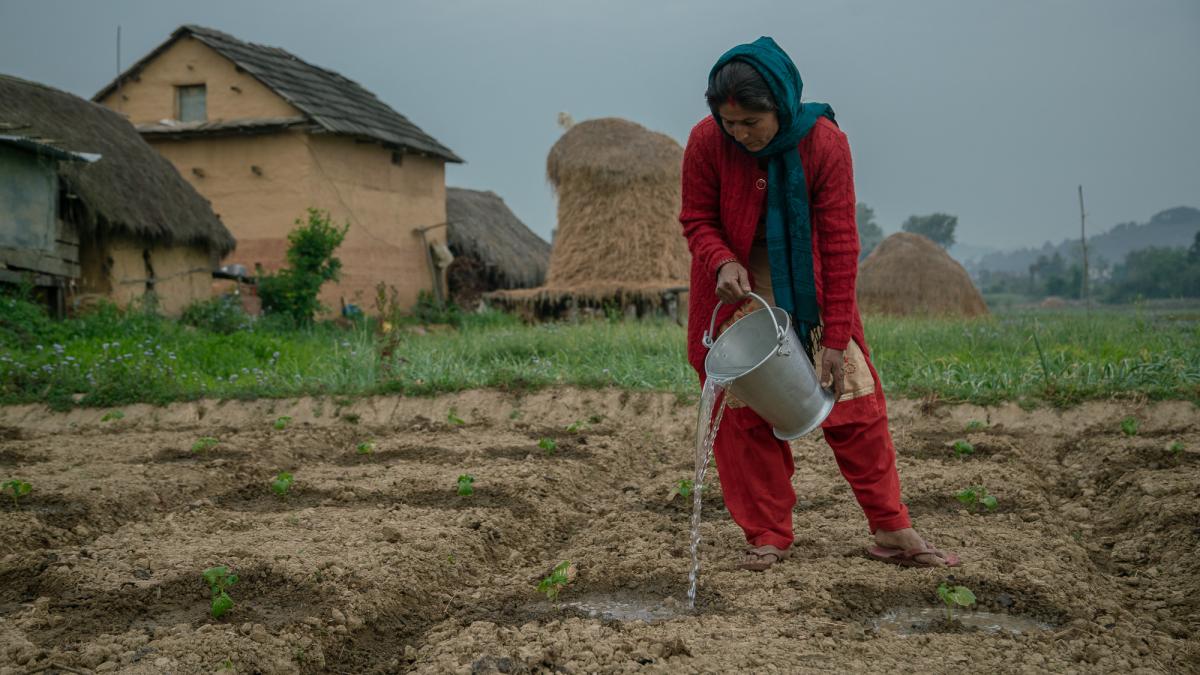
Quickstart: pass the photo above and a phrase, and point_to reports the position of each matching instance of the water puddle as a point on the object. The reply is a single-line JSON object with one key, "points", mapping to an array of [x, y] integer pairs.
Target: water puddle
{"points": [[707, 424], [627, 607], [916, 620]]}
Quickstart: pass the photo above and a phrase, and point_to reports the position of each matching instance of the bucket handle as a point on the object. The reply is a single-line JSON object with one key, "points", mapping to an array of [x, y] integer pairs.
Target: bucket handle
{"points": [[707, 340]]}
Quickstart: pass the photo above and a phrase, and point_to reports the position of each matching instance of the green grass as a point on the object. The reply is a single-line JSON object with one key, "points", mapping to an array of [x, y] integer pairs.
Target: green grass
{"points": [[110, 358]]}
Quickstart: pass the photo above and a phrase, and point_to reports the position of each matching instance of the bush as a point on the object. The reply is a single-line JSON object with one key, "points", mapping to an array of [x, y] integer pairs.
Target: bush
{"points": [[427, 310], [293, 290], [222, 315]]}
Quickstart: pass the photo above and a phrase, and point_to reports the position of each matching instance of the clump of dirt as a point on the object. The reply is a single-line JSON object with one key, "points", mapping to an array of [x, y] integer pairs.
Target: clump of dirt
{"points": [[373, 563]]}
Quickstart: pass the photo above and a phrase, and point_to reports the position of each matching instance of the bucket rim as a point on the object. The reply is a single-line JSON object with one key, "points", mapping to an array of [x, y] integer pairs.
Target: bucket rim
{"points": [[786, 325]]}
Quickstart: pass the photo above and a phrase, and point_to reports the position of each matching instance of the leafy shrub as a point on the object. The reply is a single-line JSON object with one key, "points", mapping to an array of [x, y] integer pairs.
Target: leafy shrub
{"points": [[223, 315], [293, 290], [427, 311]]}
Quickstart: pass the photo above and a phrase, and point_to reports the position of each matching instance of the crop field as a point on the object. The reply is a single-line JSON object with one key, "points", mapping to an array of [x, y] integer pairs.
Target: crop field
{"points": [[395, 534]]}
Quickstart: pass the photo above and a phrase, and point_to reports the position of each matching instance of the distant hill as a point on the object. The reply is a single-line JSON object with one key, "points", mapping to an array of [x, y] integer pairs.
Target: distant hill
{"points": [[1175, 227]]}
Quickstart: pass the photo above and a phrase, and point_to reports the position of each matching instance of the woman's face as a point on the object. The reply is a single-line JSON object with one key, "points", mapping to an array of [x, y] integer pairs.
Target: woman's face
{"points": [[753, 129]]}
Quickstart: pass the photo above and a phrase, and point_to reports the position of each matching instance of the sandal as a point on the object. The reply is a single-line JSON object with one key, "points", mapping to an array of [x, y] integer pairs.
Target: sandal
{"points": [[764, 558], [908, 558]]}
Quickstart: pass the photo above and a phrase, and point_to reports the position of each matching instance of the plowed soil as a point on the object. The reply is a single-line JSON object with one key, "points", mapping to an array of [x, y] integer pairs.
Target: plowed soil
{"points": [[374, 563]]}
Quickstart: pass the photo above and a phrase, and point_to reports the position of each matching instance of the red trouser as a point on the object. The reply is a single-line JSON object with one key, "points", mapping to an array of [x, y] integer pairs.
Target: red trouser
{"points": [[756, 468]]}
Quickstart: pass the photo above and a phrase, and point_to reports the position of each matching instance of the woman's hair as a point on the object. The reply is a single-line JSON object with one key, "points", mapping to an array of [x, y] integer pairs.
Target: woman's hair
{"points": [[741, 82]]}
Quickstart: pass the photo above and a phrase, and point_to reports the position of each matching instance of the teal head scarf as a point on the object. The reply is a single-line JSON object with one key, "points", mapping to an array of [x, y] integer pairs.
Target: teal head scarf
{"points": [[789, 226]]}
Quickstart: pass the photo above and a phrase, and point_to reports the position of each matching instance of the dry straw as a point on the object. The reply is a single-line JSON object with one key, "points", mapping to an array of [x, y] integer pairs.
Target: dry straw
{"points": [[909, 275]]}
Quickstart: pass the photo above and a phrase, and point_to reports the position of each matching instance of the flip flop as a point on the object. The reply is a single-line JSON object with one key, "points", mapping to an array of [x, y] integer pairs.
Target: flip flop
{"points": [[908, 558], [765, 557]]}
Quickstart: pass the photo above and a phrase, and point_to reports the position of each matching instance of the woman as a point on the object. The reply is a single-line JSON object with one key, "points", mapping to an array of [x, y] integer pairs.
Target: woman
{"points": [[768, 205]]}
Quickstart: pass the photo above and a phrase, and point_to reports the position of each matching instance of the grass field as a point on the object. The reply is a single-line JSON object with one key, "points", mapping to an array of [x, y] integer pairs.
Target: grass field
{"points": [[110, 358]]}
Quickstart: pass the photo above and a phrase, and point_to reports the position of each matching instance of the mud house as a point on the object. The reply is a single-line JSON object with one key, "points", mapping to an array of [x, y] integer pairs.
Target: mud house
{"points": [[263, 135], [89, 210]]}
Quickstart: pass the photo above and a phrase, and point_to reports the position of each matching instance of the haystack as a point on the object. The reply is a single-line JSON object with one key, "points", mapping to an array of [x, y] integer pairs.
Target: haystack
{"points": [[909, 275], [493, 249], [618, 241]]}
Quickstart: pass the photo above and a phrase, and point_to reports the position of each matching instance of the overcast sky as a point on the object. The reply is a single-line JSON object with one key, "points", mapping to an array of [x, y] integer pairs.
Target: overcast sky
{"points": [[993, 111]]}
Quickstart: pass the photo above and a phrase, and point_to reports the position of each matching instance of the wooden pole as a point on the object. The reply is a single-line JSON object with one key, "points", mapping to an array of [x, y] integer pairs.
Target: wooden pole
{"points": [[1083, 285]]}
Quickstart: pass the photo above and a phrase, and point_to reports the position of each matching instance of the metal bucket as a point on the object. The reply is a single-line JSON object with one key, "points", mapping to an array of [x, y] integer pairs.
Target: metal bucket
{"points": [[763, 364]]}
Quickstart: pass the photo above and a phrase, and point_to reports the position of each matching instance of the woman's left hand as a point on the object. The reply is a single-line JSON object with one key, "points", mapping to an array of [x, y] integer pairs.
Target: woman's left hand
{"points": [[832, 371]]}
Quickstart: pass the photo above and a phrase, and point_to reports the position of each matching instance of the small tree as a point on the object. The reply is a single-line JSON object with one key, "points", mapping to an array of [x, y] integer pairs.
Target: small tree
{"points": [[869, 232], [938, 227], [293, 290]]}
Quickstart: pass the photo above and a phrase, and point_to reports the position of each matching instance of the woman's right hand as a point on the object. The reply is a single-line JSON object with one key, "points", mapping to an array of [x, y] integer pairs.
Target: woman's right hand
{"points": [[733, 282]]}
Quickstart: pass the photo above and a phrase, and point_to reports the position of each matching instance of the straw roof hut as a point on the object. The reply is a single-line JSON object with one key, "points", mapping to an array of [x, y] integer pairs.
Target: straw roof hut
{"points": [[909, 275], [492, 248], [137, 224], [618, 239]]}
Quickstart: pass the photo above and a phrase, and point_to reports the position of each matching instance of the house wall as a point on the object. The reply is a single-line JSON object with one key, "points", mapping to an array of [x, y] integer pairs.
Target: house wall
{"points": [[116, 268], [356, 182], [150, 96]]}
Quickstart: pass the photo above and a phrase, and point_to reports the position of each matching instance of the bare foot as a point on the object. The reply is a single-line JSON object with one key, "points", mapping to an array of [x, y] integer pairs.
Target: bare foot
{"points": [[905, 540]]}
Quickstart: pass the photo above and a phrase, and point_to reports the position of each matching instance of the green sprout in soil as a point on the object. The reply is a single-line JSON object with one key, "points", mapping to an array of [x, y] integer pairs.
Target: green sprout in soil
{"points": [[683, 487], [219, 580], [282, 423], [549, 445], [465, 488], [977, 495], [577, 426], [963, 448], [112, 415], [557, 581], [955, 595], [1176, 448], [204, 444], [595, 419], [282, 483], [17, 487], [976, 425], [453, 418], [1129, 426], [516, 414], [365, 448]]}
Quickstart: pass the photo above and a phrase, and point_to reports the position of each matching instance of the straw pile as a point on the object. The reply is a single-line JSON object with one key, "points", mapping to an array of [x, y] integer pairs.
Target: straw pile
{"points": [[618, 237], [909, 275], [492, 248]]}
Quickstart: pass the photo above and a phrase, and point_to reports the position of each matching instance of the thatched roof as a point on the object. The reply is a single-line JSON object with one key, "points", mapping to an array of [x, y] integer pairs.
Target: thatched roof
{"points": [[335, 103], [481, 226], [618, 205], [909, 275], [131, 189]]}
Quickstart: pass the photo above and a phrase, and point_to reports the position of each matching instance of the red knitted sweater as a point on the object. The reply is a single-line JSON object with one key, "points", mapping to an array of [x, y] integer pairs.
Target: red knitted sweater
{"points": [[724, 194]]}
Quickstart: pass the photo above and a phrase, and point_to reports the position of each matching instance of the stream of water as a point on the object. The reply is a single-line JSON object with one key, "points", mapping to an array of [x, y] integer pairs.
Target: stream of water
{"points": [[707, 424]]}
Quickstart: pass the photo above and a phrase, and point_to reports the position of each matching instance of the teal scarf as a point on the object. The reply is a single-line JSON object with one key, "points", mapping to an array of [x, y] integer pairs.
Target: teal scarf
{"points": [[789, 225]]}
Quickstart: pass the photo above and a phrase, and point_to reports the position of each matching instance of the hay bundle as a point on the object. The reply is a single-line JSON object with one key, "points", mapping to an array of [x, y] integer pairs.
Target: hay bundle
{"points": [[492, 248], [618, 205], [909, 275]]}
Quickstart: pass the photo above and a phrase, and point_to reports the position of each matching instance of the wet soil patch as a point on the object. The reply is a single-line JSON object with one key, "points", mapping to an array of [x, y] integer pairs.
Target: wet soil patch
{"points": [[863, 603], [258, 498], [564, 450], [261, 595], [378, 647], [11, 457], [24, 580], [423, 454], [174, 455], [491, 497], [941, 504]]}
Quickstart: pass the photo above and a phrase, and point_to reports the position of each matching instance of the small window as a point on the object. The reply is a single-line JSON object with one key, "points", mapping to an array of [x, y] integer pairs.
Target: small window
{"points": [[190, 102]]}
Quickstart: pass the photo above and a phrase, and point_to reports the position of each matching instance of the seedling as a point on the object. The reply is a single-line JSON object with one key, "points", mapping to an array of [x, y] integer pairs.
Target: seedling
{"points": [[549, 445], [112, 415], [577, 426], [684, 488], [595, 419], [282, 423], [977, 494], [552, 585], [516, 414], [1176, 448], [976, 425], [465, 488], [963, 448], [17, 487], [453, 418], [282, 483], [365, 448], [1129, 426], [955, 595], [219, 580], [204, 444]]}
